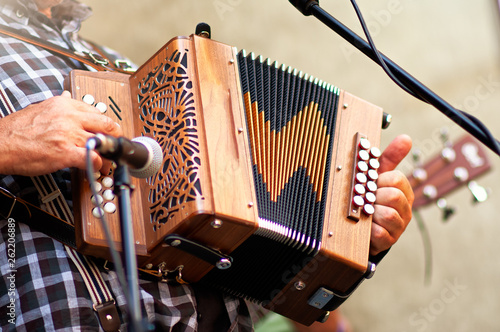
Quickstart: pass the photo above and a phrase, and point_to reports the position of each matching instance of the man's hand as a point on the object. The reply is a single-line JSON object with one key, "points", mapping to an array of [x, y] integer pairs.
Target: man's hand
{"points": [[51, 135], [394, 197]]}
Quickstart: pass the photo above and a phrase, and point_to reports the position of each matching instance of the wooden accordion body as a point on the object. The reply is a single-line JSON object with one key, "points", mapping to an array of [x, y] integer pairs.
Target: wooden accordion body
{"points": [[260, 164]]}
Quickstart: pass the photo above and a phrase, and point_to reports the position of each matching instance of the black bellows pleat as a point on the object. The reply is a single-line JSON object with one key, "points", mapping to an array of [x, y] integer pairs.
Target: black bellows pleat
{"points": [[291, 123]]}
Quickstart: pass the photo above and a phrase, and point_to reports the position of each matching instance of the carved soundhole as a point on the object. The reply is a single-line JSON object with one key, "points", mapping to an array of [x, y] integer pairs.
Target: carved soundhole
{"points": [[167, 111]]}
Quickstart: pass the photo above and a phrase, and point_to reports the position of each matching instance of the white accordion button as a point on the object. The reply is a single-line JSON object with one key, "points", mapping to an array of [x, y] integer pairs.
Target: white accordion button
{"points": [[101, 107], [97, 186], [108, 195], [358, 201], [109, 208], [88, 99], [364, 144], [370, 198], [97, 212], [361, 178], [373, 175], [107, 182], [369, 209], [96, 200], [359, 189], [371, 186]]}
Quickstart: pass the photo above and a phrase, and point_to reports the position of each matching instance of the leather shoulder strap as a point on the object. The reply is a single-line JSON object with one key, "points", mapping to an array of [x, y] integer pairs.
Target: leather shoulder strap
{"points": [[94, 60]]}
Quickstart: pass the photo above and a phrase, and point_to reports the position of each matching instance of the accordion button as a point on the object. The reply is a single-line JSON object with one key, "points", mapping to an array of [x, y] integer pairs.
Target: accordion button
{"points": [[362, 166], [97, 186], [374, 164], [359, 189], [108, 195], [101, 107], [107, 182], [363, 155], [370, 198], [358, 201], [361, 178], [96, 200], [372, 175], [371, 186], [364, 144], [375, 152], [88, 99], [109, 208], [369, 209], [97, 212]]}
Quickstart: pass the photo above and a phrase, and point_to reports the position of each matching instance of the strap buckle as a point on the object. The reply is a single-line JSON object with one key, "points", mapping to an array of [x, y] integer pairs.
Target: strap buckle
{"points": [[124, 65], [98, 59], [14, 200], [108, 316]]}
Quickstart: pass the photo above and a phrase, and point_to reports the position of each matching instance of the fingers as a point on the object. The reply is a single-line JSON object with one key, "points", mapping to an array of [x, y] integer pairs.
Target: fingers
{"points": [[392, 210], [395, 152]]}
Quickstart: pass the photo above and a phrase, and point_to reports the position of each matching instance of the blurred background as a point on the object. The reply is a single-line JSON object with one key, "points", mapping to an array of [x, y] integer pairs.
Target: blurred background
{"points": [[452, 46]]}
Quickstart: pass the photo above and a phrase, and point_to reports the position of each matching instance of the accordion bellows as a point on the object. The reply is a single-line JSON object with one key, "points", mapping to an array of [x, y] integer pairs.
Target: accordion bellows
{"points": [[259, 193]]}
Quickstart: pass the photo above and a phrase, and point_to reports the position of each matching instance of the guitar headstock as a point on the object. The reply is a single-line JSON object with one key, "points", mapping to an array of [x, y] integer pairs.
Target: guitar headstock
{"points": [[458, 164]]}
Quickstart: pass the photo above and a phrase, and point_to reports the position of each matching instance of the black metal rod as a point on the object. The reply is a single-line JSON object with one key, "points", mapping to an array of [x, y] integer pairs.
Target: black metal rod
{"points": [[420, 90], [122, 191]]}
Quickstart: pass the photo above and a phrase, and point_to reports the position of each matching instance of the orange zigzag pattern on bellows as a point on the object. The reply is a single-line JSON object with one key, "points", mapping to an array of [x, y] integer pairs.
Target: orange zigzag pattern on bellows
{"points": [[302, 142]]}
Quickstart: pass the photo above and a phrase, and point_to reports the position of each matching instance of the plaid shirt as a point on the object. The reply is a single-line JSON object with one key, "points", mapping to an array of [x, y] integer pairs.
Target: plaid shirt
{"points": [[46, 292]]}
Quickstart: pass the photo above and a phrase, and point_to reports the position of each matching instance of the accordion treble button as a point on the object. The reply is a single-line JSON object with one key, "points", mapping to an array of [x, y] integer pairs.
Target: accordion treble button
{"points": [[369, 209], [359, 189], [375, 152], [361, 178], [370, 198], [364, 144], [363, 155], [358, 201], [372, 175]]}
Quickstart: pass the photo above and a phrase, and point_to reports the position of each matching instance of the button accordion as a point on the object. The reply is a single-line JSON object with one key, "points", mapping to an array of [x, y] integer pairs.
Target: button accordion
{"points": [[268, 178]]}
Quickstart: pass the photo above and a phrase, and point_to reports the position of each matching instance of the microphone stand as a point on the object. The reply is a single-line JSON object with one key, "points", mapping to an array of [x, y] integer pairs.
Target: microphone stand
{"points": [[122, 191], [472, 126]]}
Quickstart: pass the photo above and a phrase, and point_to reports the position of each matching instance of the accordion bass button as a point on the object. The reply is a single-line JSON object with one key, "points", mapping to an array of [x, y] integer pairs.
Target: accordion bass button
{"points": [[88, 99], [107, 182], [101, 107], [108, 195], [110, 208], [96, 200], [97, 212]]}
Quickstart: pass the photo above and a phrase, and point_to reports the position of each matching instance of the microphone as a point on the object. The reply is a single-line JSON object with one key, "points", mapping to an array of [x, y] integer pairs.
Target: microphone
{"points": [[143, 155]]}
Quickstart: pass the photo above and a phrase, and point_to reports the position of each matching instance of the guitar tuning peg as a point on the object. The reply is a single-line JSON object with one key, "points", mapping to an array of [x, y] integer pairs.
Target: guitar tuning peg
{"points": [[445, 137], [479, 193], [448, 211]]}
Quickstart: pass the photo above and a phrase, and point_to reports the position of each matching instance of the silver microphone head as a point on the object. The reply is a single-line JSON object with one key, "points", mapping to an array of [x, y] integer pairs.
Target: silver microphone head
{"points": [[155, 158]]}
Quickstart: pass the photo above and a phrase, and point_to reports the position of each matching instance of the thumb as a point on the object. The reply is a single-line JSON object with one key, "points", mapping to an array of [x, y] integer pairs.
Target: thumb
{"points": [[66, 94], [394, 153]]}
